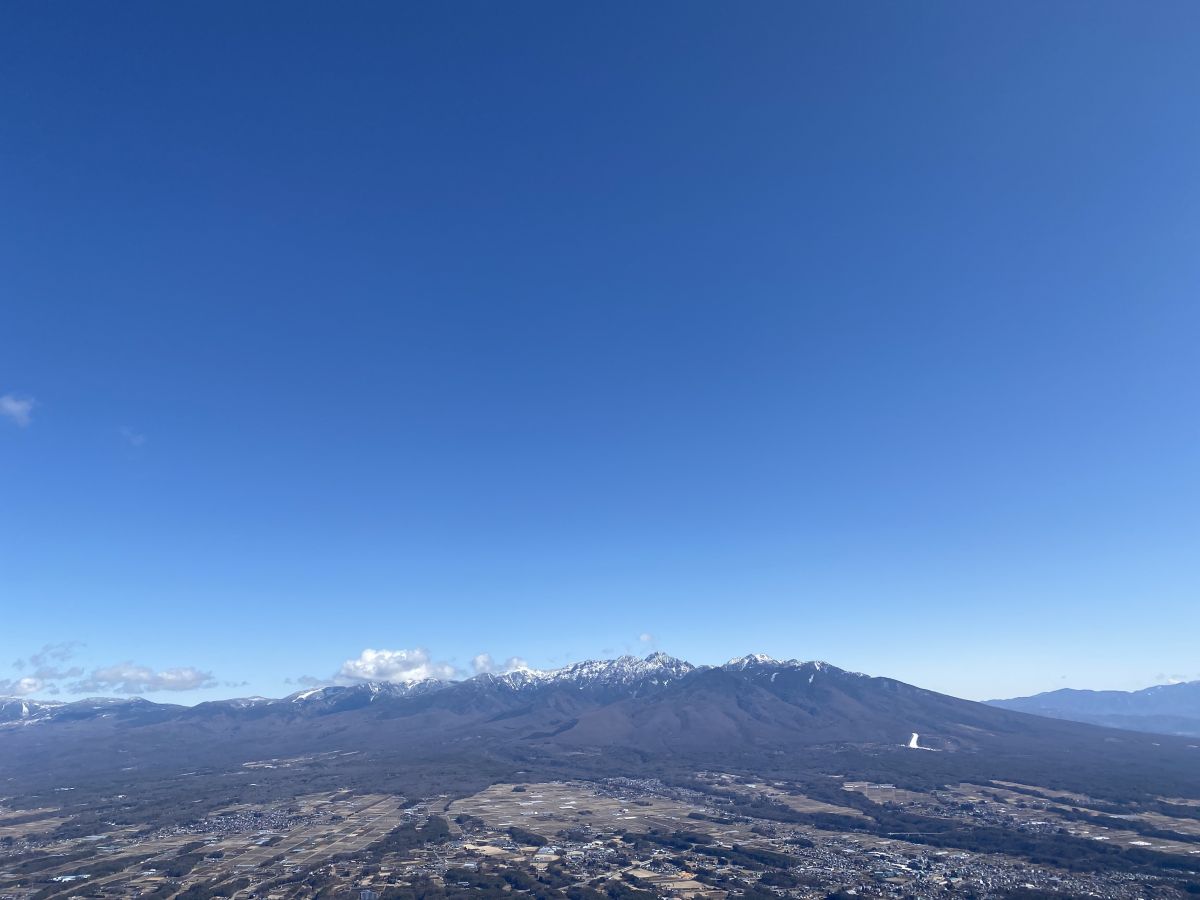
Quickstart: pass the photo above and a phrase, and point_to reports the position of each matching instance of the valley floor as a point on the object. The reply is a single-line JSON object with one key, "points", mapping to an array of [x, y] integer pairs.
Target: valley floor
{"points": [[713, 835]]}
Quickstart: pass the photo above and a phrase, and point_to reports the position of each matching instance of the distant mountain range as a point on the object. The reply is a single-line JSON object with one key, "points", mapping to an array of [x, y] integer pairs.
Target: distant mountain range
{"points": [[651, 704], [626, 717], [625, 676], [1163, 709], [592, 683], [632, 699]]}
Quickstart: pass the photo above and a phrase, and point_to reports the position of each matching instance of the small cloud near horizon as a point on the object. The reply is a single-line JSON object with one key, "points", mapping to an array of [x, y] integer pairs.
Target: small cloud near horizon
{"points": [[1164, 678], [483, 664], [403, 666], [132, 438], [127, 678], [24, 686], [406, 666], [43, 664], [47, 672], [42, 671], [18, 409], [308, 681]]}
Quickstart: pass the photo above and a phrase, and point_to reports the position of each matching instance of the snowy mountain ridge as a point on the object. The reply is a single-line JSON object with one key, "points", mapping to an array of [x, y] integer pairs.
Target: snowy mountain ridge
{"points": [[624, 674]]}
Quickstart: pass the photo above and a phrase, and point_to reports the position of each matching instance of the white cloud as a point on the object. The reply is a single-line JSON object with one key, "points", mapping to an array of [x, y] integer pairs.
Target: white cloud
{"points": [[19, 409], [646, 637], [394, 665], [127, 678], [47, 671], [483, 663], [20, 687]]}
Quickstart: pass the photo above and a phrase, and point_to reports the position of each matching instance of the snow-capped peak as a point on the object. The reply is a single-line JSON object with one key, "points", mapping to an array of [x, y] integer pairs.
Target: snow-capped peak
{"points": [[762, 661], [751, 659], [657, 668], [667, 662], [370, 689]]}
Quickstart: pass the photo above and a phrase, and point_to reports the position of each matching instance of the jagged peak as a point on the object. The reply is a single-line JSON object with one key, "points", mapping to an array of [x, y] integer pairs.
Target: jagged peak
{"points": [[751, 659], [665, 661], [622, 669]]}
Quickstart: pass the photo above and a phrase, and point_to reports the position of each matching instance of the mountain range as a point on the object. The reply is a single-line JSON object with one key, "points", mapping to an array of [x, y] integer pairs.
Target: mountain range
{"points": [[1164, 708], [627, 717], [627, 700], [653, 700], [626, 675], [658, 703]]}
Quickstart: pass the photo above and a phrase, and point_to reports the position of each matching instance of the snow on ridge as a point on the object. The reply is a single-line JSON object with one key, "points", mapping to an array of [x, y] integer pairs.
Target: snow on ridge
{"points": [[751, 659], [756, 660], [623, 670], [374, 689], [630, 672]]}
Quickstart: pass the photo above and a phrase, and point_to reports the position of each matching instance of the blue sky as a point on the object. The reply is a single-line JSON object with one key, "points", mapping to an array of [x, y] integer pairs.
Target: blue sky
{"points": [[861, 332]]}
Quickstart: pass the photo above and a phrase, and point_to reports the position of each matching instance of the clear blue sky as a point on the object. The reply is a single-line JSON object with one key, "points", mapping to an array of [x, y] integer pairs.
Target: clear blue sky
{"points": [[856, 331]]}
